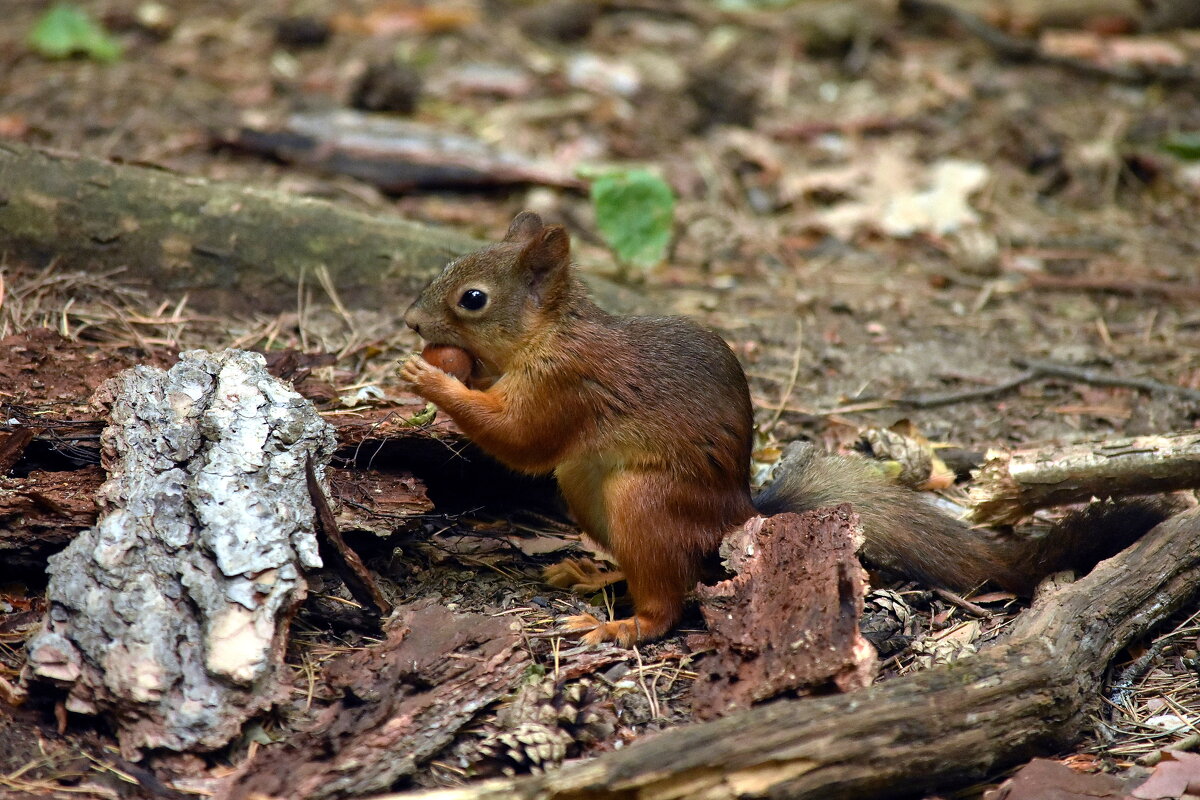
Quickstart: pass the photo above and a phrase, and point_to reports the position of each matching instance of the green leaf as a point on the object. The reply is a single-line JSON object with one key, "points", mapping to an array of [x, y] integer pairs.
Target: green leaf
{"points": [[634, 212], [66, 29], [1183, 145]]}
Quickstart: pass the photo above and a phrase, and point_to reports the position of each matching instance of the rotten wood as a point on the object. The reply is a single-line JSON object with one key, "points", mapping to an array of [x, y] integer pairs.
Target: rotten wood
{"points": [[1010, 486], [788, 619], [43, 512], [945, 726], [12, 447], [170, 615], [405, 700]]}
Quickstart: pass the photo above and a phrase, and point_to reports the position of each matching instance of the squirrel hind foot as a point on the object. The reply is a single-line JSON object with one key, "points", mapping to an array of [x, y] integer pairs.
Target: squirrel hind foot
{"points": [[623, 632], [580, 575]]}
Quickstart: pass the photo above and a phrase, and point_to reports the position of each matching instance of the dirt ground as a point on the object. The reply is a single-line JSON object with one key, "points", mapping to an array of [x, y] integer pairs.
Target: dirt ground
{"points": [[800, 142]]}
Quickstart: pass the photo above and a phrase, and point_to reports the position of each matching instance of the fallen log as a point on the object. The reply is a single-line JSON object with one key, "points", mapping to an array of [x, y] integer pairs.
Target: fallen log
{"points": [[1010, 486], [224, 242], [232, 247], [933, 730]]}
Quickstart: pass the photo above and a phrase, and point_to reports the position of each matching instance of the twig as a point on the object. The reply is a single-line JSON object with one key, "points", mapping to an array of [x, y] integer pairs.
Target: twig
{"points": [[1050, 369], [962, 602], [984, 393], [348, 564], [791, 384], [1018, 49], [1034, 370], [1134, 672], [1165, 289]]}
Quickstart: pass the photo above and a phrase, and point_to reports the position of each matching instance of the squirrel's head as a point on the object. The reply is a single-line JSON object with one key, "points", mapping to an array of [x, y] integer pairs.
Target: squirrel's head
{"points": [[489, 301]]}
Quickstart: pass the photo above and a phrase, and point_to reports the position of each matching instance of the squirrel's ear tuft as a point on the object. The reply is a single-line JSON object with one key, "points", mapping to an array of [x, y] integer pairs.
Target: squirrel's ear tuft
{"points": [[547, 258], [524, 226]]}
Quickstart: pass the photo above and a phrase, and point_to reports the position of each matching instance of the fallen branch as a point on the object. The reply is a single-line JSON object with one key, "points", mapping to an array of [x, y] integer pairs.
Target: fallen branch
{"points": [[231, 247], [968, 395], [1010, 486], [223, 241], [1050, 369], [1166, 290], [935, 729], [1036, 370]]}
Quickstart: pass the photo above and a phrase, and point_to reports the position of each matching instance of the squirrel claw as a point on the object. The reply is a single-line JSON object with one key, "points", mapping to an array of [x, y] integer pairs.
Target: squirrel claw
{"points": [[413, 368], [623, 632], [580, 623], [580, 575]]}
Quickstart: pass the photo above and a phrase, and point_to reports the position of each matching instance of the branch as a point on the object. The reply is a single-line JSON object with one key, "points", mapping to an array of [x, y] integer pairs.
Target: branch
{"points": [[1010, 486]]}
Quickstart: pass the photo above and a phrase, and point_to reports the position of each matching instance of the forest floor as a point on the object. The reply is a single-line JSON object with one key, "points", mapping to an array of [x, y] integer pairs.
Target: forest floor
{"points": [[870, 210]]}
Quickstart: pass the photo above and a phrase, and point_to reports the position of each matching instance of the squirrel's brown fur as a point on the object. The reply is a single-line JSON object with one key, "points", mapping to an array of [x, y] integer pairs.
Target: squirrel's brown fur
{"points": [[647, 425]]}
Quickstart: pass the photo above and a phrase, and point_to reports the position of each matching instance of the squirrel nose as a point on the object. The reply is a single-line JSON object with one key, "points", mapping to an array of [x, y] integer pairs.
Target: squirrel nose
{"points": [[412, 319]]}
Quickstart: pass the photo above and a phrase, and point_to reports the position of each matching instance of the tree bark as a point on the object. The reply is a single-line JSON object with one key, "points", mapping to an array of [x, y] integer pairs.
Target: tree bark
{"points": [[1010, 486], [933, 730], [170, 615]]}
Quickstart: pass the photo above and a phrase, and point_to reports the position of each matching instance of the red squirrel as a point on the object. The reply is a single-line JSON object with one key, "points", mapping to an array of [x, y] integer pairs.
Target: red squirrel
{"points": [[647, 425]]}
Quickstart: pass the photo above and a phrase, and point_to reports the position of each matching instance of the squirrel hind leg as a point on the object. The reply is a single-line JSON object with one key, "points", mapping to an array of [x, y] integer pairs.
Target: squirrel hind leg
{"points": [[580, 575], [624, 632]]}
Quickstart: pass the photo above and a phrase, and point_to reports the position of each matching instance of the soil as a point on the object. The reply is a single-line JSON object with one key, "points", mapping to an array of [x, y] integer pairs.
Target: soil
{"points": [[787, 143]]}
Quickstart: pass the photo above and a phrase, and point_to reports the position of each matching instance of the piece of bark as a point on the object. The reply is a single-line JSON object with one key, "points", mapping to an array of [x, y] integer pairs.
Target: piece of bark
{"points": [[405, 700], [397, 155], [788, 620], [170, 615], [1043, 779], [231, 247], [929, 731], [1010, 486]]}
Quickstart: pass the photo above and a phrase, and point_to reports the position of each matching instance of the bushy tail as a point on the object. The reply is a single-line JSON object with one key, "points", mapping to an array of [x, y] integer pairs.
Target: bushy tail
{"points": [[906, 534]]}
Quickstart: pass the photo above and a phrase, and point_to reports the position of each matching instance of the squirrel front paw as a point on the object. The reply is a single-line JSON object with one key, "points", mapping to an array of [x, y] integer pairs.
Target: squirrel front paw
{"points": [[423, 377]]}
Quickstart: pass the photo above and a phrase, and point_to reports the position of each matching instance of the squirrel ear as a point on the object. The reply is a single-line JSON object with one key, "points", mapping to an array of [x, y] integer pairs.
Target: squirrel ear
{"points": [[547, 258], [524, 226], [548, 250]]}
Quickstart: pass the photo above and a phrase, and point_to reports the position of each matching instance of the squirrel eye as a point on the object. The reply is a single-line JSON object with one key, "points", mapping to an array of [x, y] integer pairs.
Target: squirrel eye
{"points": [[473, 299]]}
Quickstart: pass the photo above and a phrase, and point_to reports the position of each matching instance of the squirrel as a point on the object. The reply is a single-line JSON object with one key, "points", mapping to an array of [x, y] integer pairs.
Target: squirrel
{"points": [[647, 425]]}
